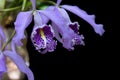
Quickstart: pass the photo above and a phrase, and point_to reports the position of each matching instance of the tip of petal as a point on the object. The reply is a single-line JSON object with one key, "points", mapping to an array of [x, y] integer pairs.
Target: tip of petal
{"points": [[99, 29]]}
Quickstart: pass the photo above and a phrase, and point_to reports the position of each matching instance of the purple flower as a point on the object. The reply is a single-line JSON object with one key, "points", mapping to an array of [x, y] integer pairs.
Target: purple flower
{"points": [[42, 35], [42, 39], [14, 57]]}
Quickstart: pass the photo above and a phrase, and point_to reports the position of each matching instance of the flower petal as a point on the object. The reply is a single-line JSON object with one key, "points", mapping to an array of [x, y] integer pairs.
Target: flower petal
{"points": [[64, 14], [89, 18], [40, 19], [44, 19], [3, 68], [33, 4], [37, 19], [57, 34], [21, 23], [20, 64]]}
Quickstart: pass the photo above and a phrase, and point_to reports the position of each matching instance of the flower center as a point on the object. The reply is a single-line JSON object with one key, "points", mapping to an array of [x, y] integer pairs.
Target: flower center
{"points": [[43, 36]]}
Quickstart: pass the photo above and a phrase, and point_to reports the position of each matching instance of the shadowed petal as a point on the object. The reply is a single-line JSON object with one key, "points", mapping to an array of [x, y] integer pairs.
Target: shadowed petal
{"points": [[21, 23], [20, 64], [89, 18], [57, 34]]}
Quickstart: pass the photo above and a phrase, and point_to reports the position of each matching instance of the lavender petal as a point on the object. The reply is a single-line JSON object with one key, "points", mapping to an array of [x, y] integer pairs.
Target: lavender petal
{"points": [[26, 18], [20, 64]]}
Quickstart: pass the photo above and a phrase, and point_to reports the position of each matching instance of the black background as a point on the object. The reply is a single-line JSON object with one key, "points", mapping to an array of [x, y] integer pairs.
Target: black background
{"points": [[90, 61]]}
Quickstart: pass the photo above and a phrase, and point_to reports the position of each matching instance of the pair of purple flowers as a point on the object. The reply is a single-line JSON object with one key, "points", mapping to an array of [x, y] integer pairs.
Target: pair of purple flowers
{"points": [[44, 35], [61, 27]]}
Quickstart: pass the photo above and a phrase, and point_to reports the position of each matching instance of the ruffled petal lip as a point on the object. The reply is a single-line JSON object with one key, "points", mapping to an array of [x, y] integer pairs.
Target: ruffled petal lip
{"points": [[42, 39]]}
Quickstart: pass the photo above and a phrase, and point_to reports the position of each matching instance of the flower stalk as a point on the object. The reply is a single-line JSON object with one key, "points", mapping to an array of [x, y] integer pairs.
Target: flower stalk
{"points": [[50, 2], [23, 5], [2, 4], [9, 40], [11, 9]]}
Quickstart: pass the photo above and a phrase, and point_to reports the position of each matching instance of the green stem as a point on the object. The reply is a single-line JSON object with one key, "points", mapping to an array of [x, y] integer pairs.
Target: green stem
{"points": [[23, 5], [11, 9], [50, 2], [9, 40], [2, 4]]}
